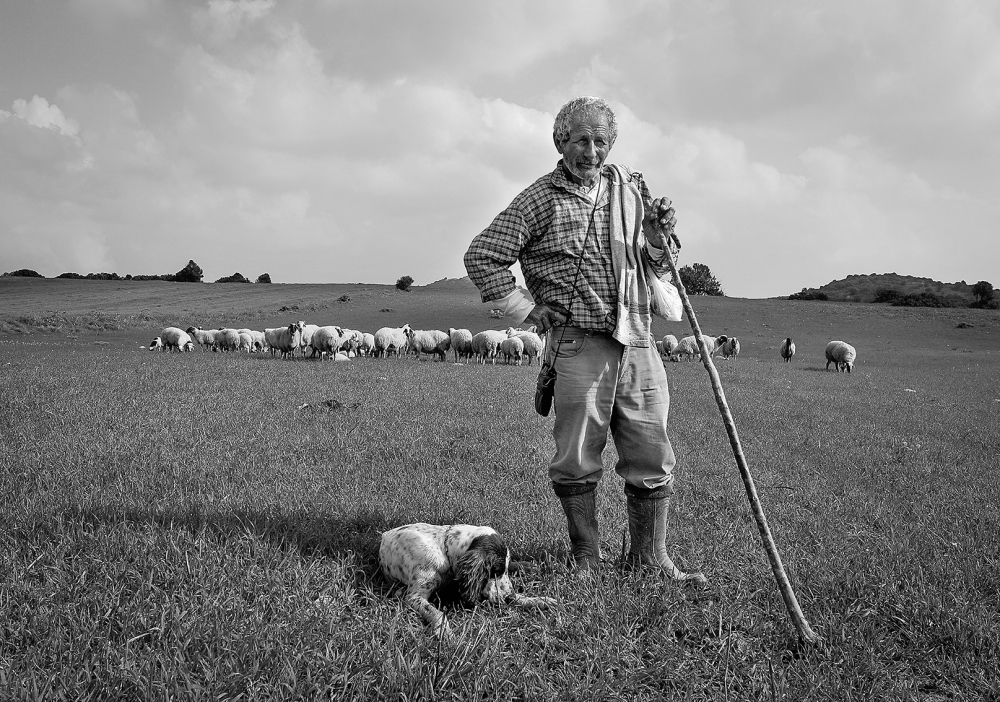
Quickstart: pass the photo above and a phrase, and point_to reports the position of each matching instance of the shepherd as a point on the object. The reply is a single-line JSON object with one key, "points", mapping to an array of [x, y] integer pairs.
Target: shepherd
{"points": [[587, 236]]}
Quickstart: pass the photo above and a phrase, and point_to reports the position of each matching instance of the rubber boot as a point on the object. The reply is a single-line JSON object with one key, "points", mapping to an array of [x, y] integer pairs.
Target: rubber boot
{"points": [[580, 506], [647, 526]]}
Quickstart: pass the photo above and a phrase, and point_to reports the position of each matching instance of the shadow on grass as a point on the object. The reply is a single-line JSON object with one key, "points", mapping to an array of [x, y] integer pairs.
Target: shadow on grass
{"points": [[313, 534]]}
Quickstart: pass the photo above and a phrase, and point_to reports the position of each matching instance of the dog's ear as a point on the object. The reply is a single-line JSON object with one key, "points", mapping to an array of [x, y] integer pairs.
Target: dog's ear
{"points": [[485, 559]]}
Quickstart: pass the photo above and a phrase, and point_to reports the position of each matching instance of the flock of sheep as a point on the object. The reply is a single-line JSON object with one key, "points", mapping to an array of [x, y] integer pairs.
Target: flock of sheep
{"points": [[512, 346], [839, 353], [339, 343]]}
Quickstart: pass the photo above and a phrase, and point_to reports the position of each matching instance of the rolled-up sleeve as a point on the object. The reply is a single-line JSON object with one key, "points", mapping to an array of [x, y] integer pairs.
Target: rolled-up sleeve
{"points": [[493, 251]]}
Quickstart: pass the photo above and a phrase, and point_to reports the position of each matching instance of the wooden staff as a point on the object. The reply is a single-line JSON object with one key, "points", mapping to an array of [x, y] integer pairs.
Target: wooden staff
{"points": [[806, 634]]}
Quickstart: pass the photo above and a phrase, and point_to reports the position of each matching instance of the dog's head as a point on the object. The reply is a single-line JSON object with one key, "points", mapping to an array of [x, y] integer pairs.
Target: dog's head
{"points": [[481, 572]]}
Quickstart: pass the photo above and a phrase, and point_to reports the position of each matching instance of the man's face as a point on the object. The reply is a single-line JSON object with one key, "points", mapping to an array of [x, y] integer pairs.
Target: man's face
{"points": [[586, 149]]}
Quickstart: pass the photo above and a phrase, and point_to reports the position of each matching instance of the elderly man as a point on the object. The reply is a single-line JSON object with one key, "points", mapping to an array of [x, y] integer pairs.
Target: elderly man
{"points": [[580, 234]]}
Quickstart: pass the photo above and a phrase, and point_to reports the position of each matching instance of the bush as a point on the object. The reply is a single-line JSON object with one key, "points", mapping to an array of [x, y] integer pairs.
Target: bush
{"points": [[103, 276], [170, 277], [698, 280], [26, 273], [344, 298], [404, 283], [924, 299], [264, 278], [886, 295], [807, 294], [71, 276], [191, 273], [234, 278]]}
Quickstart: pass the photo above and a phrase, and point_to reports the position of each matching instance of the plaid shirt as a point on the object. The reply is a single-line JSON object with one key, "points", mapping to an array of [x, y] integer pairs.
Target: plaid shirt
{"points": [[545, 228]]}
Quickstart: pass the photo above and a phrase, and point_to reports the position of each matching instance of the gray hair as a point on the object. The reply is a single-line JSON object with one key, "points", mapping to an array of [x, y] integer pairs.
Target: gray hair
{"points": [[581, 107]]}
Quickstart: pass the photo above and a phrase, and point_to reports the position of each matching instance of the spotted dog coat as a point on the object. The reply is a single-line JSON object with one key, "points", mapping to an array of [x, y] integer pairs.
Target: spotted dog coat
{"points": [[425, 557]]}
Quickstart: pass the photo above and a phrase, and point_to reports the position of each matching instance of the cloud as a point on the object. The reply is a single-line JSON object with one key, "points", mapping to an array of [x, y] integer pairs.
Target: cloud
{"points": [[39, 113], [320, 142]]}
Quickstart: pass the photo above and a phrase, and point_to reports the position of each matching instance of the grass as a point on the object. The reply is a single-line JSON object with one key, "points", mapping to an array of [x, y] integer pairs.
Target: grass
{"points": [[176, 527]]}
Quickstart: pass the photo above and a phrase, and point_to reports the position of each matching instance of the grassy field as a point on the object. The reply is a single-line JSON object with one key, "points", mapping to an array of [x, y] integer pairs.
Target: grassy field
{"points": [[174, 526]]}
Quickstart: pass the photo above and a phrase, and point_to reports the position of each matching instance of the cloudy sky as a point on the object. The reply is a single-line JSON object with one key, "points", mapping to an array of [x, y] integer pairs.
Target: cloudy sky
{"points": [[359, 141]]}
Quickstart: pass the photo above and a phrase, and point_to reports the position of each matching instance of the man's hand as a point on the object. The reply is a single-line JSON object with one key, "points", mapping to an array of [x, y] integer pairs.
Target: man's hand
{"points": [[547, 315], [658, 224]]}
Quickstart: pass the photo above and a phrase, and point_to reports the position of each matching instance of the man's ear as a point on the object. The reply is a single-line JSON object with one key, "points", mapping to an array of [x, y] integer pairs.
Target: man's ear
{"points": [[555, 140]]}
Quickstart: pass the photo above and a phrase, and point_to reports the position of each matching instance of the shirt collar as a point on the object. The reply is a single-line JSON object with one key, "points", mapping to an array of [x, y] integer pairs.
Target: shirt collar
{"points": [[560, 178]]}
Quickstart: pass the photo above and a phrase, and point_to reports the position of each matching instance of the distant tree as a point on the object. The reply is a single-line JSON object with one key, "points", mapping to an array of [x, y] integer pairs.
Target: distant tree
{"points": [[72, 276], [234, 278], [264, 278], [983, 292], [103, 276], [698, 280], [191, 273], [404, 283], [24, 273]]}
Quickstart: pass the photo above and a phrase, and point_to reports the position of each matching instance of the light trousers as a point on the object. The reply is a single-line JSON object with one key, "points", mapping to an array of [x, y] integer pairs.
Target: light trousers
{"points": [[601, 386]]}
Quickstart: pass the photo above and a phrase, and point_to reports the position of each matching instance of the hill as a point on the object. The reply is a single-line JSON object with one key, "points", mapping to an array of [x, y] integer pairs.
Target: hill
{"points": [[866, 288]]}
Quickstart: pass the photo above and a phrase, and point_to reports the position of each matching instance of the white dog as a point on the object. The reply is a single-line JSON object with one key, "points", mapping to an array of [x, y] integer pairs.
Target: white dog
{"points": [[426, 557]]}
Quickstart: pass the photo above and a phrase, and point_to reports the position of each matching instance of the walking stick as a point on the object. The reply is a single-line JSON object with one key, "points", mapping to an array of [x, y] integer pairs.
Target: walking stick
{"points": [[806, 634]]}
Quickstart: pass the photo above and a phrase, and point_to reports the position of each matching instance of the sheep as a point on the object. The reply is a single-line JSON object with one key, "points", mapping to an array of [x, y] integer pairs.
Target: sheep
{"points": [[327, 340], [245, 342], [367, 344], [389, 340], [666, 346], [257, 342], [202, 337], [188, 346], [841, 354], [428, 341], [533, 343], [688, 346], [227, 340], [461, 343], [284, 339], [174, 338], [352, 342], [306, 341], [730, 348], [787, 349], [156, 343], [485, 345], [512, 349]]}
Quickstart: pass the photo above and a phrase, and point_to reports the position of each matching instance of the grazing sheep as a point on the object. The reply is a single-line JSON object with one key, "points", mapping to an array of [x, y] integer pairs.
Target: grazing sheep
{"points": [[841, 354], [284, 339], [512, 349], [787, 349], [202, 337], [257, 339], [430, 341], [666, 347], [533, 343], [461, 343], [688, 346], [156, 343], [174, 338], [390, 340], [367, 344], [245, 342], [227, 340], [730, 348], [327, 340], [486, 344]]}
